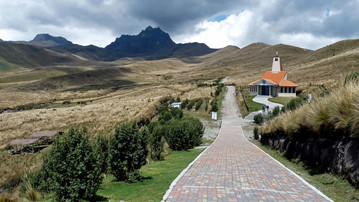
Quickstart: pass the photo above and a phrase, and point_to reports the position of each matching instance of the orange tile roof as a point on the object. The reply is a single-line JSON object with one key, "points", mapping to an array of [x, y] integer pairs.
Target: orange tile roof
{"points": [[276, 78], [287, 83]]}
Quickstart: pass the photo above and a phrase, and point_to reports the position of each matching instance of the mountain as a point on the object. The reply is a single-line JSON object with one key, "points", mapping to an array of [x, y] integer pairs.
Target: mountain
{"points": [[46, 40], [30, 56], [153, 43], [150, 44], [1, 40], [145, 43]]}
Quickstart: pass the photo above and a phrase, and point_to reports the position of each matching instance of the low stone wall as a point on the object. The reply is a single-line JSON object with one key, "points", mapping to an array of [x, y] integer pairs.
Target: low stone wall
{"points": [[340, 156]]}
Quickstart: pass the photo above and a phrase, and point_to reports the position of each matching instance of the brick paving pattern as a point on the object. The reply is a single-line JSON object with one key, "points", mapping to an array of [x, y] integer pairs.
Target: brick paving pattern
{"points": [[233, 169]]}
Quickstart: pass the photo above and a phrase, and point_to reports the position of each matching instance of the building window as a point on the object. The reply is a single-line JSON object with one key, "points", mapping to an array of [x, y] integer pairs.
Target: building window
{"points": [[276, 59], [285, 89], [289, 90]]}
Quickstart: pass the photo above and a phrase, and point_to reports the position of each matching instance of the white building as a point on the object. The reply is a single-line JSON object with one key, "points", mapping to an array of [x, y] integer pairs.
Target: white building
{"points": [[176, 105], [274, 83]]}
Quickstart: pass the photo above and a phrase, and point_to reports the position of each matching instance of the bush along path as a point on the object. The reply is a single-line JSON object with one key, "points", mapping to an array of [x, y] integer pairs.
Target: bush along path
{"points": [[233, 169]]}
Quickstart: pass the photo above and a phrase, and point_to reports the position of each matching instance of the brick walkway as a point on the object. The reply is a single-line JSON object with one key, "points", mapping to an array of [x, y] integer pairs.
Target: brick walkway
{"points": [[233, 169]]}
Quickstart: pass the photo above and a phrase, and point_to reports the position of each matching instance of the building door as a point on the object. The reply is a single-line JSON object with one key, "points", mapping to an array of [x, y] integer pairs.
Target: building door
{"points": [[265, 90]]}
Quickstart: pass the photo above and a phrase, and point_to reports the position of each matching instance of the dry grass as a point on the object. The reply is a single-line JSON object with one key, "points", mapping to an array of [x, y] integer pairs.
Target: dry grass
{"points": [[336, 113]]}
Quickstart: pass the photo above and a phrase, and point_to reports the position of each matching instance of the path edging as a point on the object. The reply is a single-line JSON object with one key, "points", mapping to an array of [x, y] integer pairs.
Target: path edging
{"points": [[174, 182], [292, 172]]}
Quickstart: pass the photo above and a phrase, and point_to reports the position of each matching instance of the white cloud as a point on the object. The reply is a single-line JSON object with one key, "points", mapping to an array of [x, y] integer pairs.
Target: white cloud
{"points": [[219, 34]]}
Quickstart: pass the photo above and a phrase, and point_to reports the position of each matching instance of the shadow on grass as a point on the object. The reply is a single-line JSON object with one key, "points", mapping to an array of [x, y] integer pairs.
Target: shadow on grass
{"points": [[99, 198]]}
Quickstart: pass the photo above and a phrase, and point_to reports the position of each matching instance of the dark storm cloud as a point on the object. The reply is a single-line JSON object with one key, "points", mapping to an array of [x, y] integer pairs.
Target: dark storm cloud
{"points": [[178, 16], [319, 18], [308, 16]]}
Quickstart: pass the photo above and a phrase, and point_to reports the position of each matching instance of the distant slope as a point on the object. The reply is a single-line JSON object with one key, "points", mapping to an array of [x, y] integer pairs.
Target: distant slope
{"points": [[332, 50], [46, 40], [30, 56], [89, 52]]}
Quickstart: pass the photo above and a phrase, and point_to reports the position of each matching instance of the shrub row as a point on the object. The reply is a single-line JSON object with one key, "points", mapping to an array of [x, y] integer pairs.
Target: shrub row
{"points": [[74, 165]]}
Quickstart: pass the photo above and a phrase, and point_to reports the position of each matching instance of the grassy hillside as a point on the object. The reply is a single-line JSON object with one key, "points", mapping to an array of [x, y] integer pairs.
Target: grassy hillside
{"points": [[330, 116], [30, 56]]}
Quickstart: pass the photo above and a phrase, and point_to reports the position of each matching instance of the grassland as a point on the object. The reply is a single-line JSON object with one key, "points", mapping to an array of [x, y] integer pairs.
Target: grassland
{"points": [[157, 176], [281, 100], [245, 100]]}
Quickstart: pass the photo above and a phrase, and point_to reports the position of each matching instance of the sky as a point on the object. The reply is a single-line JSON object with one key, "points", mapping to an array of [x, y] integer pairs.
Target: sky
{"points": [[309, 24]]}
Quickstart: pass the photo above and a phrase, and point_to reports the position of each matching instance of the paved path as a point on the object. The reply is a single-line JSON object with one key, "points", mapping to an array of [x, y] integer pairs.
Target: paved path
{"points": [[233, 169], [262, 100]]}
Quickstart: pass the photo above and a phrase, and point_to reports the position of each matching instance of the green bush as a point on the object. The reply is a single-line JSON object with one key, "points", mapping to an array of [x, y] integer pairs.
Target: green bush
{"points": [[198, 104], [177, 135], [276, 111], [184, 134], [206, 106], [165, 117], [258, 119], [172, 100], [128, 151], [177, 113], [152, 125], [157, 142], [178, 99], [71, 168], [196, 129], [102, 145], [163, 108], [255, 133], [295, 103], [190, 105], [214, 105], [184, 103], [219, 89]]}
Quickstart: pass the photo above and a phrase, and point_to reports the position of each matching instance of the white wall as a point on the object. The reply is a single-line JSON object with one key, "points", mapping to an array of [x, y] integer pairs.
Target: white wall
{"points": [[287, 95]]}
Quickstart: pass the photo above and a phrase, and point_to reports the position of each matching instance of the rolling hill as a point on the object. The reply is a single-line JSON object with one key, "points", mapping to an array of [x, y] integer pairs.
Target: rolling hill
{"points": [[30, 56]]}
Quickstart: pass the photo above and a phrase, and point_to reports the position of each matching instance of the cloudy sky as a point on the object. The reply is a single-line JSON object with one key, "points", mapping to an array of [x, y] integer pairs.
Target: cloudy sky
{"points": [[306, 23]]}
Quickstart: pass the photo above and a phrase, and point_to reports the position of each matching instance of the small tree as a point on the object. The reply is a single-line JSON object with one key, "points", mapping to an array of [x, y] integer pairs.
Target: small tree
{"points": [[102, 145], [190, 105], [184, 104], [128, 151], [178, 99], [214, 105], [258, 119], [177, 135], [165, 117], [198, 104], [72, 169], [177, 113], [276, 111], [157, 142]]}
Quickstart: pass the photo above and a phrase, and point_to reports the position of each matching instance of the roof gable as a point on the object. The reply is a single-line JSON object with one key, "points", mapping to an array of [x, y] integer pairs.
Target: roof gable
{"points": [[286, 83], [276, 77], [264, 82]]}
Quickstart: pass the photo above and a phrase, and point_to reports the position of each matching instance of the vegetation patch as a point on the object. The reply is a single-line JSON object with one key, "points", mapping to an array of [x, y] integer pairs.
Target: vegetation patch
{"points": [[156, 179], [246, 103], [281, 100]]}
